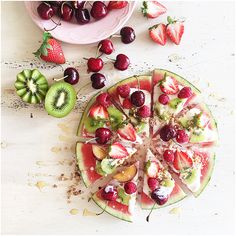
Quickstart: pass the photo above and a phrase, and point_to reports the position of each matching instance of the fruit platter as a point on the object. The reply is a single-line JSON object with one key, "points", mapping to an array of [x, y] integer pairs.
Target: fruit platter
{"points": [[114, 113]]}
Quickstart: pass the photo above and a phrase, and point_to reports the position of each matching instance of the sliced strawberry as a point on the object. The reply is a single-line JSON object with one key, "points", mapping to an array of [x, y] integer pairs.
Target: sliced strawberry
{"points": [[174, 30], [98, 112], [182, 161], [118, 151], [152, 169], [158, 33], [169, 85], [153, 9], [117, 5], [127, 132]]}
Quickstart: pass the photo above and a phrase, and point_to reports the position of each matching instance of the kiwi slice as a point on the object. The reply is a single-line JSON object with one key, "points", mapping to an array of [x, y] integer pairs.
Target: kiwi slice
{"points": [[60, 99], [116, 117], [92, 125], [31, 86]]}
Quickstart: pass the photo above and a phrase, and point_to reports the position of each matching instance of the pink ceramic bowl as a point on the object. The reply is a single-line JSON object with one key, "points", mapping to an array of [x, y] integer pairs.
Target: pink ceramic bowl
{"points": [[71, 32]]}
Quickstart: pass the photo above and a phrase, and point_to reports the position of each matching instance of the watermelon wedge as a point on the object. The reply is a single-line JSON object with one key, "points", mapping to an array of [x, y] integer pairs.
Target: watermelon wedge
{"points": [[123, 206], [200, 124], [158, 177], [166, 82], [143, 83]]}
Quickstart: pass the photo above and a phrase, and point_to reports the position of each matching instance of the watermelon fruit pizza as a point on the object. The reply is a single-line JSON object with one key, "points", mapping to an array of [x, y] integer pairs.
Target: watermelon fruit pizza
{"points": [[151, 133]]}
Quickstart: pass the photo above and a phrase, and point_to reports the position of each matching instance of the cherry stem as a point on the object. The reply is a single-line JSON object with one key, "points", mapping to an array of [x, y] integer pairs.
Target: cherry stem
{"points": [[56, 24], [110, 59], [60, 78], [115, 36], [85, 4], [92, 139], [82, 88], [98, 214], [147, 218], [98, 50], [85, 58]]}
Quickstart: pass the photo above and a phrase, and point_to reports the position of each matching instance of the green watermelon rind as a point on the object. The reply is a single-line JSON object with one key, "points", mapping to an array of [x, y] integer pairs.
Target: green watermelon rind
{"points": [[80, 164], [207, 177], [179, 78], [178, 197], [111, 211]]}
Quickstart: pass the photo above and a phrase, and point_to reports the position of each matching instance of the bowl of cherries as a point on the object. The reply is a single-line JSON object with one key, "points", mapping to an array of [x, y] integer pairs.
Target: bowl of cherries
{"points": [[80, 22]]}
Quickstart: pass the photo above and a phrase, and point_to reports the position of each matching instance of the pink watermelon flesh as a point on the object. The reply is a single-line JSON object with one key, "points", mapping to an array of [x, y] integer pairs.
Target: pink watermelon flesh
{"points": [[176, 195], [87, 163], [114, 208]]}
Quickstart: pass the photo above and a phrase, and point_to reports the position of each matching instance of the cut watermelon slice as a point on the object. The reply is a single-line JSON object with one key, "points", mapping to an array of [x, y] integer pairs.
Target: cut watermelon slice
{"points": [[164, 80], [198, 119], [123, 206], [94, 167], [96, 116], [163, 181], [143, 83]]}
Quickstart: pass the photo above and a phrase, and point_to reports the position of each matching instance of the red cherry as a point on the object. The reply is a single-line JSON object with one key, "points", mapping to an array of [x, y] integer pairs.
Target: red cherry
{"points": [[152, 183], [168, 155], [45, 11], [127, 35], [164, 99], [98, 10], [104, 99], [109, 193], [103, 135], [106, 46], [138, 98], [167, 132], [159, 197], [122, 62], [181, 136], [144, 111], [66, 11], [185, 92], [94, 64], [130, 187], [98, 80], [123, 90], [127, 103]]}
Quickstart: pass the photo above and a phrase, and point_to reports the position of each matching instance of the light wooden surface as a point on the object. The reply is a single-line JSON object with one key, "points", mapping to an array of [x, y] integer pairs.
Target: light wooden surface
{"points": [[36, 149]]}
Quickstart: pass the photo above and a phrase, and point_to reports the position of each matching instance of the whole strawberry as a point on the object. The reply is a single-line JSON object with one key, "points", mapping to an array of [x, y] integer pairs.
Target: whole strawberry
{"points": [[174, 30], [50, 50]]}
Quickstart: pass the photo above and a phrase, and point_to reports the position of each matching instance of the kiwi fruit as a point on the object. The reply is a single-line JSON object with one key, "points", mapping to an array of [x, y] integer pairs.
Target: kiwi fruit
{"points": [[91, 125], [116, 117], [31, 86], [60, 99]]}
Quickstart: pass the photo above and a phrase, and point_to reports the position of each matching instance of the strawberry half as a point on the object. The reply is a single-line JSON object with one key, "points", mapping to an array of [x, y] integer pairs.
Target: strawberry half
{"points": [[50, 50], [98, 112], [117, 5], [169, 85], [153, 9], [182, 160], [118, 151], [158, 33], [127, 132], [174, 30]]}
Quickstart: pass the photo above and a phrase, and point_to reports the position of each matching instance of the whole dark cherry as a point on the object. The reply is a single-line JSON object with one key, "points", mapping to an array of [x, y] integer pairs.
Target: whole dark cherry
{"points": [[72, 75], [138, 98], [167, 132], [127, 35], [103, 135], [66, 11], [158, 197], [122, 62], [82, 16], [45, 11], [98, 10], [98, 80]]}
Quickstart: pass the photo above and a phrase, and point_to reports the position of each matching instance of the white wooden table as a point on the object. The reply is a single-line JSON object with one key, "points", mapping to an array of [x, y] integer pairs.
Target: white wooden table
{"points": [[36, 149]]}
